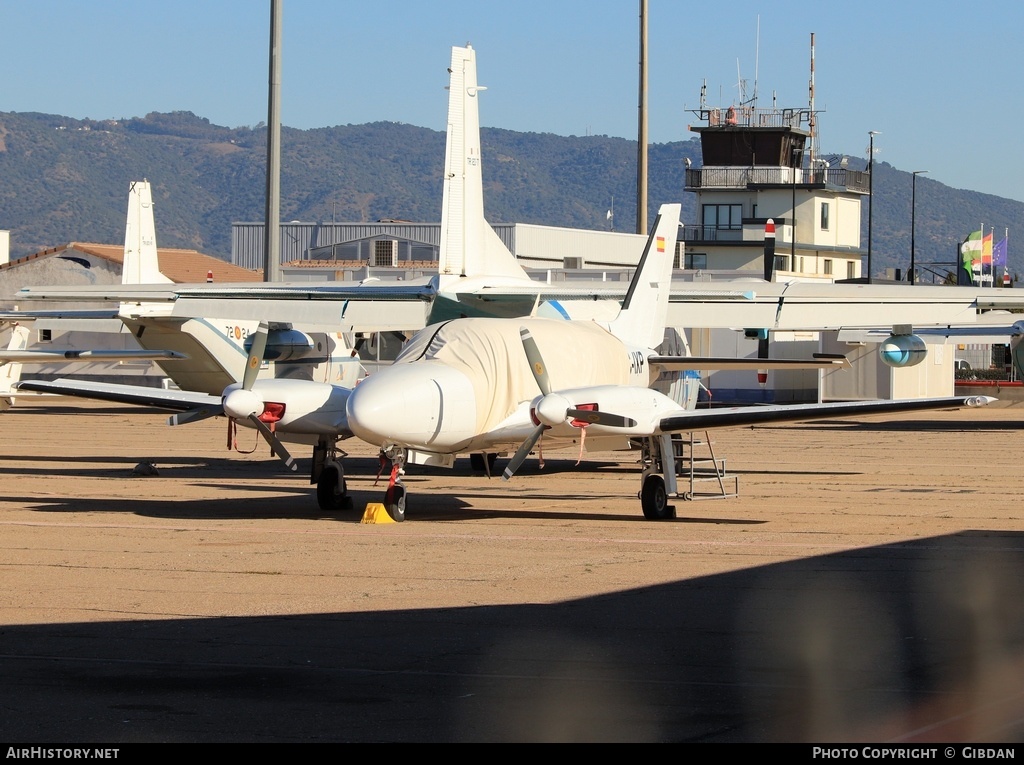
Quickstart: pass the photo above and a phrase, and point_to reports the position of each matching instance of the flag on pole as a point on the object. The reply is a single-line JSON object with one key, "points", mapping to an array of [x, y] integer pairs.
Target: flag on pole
{"points": [[986, 249], [971, 250], [999, 251]]}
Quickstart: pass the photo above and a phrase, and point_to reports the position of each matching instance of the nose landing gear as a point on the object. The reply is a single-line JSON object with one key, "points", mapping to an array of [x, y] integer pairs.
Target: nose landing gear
{"points": [[394, 497]]}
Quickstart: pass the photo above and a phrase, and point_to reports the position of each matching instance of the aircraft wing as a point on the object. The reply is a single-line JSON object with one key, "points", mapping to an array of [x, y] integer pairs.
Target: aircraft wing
{"points": [[25, 316], [707, 419], [982, 332], [817, 361], [834, 306], [390, 291], [151, 293], [176, 400], [101, 320], [359, 307], [96, 355]]}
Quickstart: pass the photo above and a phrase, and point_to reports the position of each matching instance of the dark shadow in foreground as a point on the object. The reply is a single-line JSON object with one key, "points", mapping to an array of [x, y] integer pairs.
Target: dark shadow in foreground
{"points": [[919, 641]]}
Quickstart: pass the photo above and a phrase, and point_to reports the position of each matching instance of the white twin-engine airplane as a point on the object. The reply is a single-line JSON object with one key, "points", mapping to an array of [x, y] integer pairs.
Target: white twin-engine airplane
{"points": [[480, 385]]}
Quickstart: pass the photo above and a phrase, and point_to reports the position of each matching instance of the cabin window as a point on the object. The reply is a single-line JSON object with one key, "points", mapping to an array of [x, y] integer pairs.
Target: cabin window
{"points": [[824, 216]]}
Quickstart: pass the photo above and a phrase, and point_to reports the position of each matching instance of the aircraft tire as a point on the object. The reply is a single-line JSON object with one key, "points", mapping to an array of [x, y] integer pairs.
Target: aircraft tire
{"points": [[654, 499], [332, 490], [394, 503]]}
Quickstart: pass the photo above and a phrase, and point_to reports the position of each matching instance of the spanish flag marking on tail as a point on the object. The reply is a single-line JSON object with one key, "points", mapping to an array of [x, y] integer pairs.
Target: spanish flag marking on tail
{"points": [[661, 244]]}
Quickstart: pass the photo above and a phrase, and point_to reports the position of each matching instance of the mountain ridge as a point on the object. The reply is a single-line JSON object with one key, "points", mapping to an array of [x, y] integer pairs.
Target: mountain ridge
{"points": [[66, 180]]}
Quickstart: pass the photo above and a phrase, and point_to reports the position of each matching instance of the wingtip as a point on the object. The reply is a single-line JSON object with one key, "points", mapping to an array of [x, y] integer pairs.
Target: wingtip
{"points": [[979, 400]]}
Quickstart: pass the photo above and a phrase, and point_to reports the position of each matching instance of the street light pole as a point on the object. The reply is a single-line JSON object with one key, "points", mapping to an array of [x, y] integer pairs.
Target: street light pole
{"points": [[913, 211], [871, 190]]}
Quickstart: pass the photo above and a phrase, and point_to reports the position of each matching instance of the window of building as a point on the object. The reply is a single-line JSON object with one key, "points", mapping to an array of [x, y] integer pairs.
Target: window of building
{"points": [[827, 266], [723, 216], [45, 336], [801, 262], [824, 216], [851, 270], [696, 260]]}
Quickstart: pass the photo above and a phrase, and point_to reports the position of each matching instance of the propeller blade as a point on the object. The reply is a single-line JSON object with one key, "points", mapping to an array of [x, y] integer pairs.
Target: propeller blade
{"points": [[194, 415], [274, 441], [522, 453], [601, 418], [540, 372], [256, 351]]}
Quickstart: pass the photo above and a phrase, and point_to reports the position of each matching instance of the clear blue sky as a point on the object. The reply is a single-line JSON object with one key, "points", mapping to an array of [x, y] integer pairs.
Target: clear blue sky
{"points": [[941, 81]]}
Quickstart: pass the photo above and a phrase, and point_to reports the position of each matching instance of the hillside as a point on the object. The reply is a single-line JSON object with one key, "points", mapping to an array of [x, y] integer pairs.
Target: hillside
{"points": [[67, 179]]}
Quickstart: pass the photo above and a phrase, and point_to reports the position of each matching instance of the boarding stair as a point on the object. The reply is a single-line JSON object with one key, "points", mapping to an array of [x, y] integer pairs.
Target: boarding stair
{"points": [[700, 470]]}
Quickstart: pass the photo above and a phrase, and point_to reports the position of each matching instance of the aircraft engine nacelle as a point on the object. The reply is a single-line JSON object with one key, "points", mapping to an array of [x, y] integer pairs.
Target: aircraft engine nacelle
{"points": [[903, 351], [287, 345]]}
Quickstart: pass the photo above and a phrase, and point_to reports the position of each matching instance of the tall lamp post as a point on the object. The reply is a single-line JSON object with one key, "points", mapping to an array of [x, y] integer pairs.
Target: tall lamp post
{"points": [[913, 211], [871, 190]]}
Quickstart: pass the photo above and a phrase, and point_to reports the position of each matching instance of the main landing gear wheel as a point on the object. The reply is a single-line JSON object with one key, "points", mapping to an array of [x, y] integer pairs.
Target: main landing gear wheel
{"points": [[394, 502], [654, 499], [332, 491]]}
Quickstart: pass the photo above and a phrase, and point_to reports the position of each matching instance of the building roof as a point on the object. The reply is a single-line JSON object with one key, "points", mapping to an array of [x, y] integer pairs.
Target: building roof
{"points": [[181, 266]]}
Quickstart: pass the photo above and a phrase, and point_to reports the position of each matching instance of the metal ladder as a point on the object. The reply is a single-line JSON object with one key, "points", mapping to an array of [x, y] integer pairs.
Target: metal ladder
{"points": [[695, 462]]}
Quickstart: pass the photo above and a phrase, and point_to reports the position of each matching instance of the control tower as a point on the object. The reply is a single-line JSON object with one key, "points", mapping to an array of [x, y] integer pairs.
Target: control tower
{"points": [[762, 163]]}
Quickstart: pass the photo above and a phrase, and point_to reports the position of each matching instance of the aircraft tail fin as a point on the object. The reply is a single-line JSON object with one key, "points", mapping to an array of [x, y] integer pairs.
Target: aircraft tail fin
{"points": [[641, 321], [141, 263], [10, 372], [469, 246]]}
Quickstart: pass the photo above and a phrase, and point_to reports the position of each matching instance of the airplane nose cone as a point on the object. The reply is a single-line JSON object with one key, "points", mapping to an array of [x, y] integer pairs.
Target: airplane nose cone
{"points": [[240, 403], [426, 405]]}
